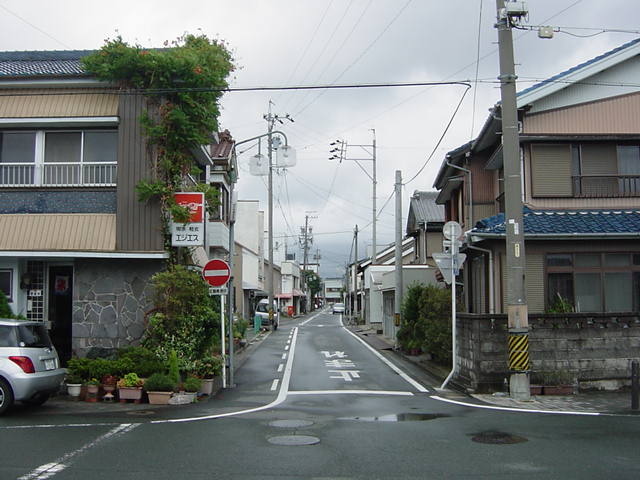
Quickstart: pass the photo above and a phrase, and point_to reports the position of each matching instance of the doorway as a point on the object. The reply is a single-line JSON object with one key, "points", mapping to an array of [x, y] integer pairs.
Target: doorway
{"points": [[61, 309]]}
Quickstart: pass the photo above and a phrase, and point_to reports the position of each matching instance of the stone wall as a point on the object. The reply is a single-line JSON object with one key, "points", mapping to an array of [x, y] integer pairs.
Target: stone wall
{"points": [[111, 297], [593, 347]]}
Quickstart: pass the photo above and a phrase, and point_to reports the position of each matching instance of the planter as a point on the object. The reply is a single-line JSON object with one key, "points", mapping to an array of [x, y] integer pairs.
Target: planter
{"points": [[558, 390], [130, 393], [535, 389], [191, 396], [73, 390], [207, 386], [92, 393], [159, 398]]}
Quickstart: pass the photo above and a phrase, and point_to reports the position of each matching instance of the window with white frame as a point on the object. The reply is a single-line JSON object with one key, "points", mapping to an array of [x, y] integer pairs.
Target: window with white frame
{"points": [[58, 158]]}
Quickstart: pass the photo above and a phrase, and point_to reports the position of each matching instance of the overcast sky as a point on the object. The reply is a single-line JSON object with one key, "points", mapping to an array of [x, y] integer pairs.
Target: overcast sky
{"points": [[322, 42]]}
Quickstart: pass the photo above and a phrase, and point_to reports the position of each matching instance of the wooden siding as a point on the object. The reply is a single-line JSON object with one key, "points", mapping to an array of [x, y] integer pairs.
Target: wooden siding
{"points": [[52, 103], [551, 170], [138, 223], [483, 211], [534, 282], [613, 116]]}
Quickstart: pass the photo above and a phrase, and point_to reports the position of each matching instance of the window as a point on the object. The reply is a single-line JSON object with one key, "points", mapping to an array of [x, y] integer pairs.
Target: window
{"points": [[64, 158], [6, 283], [594, 282]]}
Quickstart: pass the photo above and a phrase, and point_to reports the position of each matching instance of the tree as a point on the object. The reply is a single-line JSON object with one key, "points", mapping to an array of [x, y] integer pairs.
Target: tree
{"points": [[312, 281]]}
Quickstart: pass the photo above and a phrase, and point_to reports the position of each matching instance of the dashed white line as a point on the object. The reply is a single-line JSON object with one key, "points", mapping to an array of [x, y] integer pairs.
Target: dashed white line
{"points": [[351, 392], [280, 367], [284, 356], [274, 385]]}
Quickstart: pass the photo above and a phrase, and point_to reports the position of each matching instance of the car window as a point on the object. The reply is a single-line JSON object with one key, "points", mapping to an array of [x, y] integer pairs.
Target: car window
{"points": [[33, 336], [262, 307], [7, 336]]}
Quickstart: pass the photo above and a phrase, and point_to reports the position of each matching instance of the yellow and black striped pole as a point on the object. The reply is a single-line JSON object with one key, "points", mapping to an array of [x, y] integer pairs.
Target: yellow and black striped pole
{"points": [[519, 352]]}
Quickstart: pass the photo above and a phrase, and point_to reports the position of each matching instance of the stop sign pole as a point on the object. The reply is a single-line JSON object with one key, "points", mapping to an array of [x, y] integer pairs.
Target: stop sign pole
{"points": [[217, 273]]}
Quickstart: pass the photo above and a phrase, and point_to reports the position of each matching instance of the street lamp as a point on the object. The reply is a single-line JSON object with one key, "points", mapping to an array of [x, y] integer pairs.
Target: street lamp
{"points": [[259, 166]]}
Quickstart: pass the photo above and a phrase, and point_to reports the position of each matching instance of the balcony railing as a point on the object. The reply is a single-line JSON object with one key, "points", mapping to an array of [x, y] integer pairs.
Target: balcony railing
{"points": [[606, 186], [87, 174]]}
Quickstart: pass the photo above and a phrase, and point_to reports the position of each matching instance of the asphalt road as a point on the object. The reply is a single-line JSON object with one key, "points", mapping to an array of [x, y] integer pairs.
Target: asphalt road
{"points": [[314, 402]]}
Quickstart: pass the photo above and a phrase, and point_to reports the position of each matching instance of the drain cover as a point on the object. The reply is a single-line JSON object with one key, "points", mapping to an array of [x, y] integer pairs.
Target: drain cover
{"points": [[141, 412], [294, 440], [290, 423], [400, 417], [497, 438]]}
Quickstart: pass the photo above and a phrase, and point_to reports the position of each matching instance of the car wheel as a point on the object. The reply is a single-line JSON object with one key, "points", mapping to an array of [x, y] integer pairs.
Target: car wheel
{"points": [[38, 400], [6, 396]]}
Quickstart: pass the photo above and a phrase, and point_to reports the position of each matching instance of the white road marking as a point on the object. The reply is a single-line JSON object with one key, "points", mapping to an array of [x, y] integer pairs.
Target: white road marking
{"points": [[346, 375], [284, 356], [513, 409], [406, 377], [282, 394], [48, 470], [351, 392], [286, 347], [280, 367], [274, 385]]}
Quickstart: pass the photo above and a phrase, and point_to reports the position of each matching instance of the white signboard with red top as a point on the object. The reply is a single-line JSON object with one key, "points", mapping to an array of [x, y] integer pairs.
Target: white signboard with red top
{"points": [[189, 234]]}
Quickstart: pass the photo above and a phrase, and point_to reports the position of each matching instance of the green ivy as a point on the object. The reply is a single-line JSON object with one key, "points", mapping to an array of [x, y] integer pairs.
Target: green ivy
{"points": [[183, 85]]}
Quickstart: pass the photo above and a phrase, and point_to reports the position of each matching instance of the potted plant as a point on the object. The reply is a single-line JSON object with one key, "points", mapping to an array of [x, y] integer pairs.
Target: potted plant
{"points": [[130, 388], [191, 385], [558, 382], [74, 385], [207, 369], [93, 387], [159, 387]]}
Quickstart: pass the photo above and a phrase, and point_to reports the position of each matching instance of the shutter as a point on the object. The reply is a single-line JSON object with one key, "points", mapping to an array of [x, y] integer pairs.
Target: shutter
{"points": [[551, 170]]}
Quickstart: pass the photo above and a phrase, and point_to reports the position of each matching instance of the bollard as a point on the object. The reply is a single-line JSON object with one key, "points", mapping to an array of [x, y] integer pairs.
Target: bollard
{"points": [[635, 384]]}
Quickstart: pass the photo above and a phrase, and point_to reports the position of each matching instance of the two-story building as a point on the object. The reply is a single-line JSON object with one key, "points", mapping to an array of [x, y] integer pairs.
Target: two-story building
{"points": [[580, 164], [77, 247]]}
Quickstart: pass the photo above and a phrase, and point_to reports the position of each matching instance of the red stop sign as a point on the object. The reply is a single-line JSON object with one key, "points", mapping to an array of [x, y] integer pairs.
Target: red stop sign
{"points": [[216, 273]]}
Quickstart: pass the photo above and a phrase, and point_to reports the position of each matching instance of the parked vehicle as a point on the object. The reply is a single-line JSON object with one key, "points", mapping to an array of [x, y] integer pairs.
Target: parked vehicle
{"points": [[29, 365], [337, 308], [262, 311]]}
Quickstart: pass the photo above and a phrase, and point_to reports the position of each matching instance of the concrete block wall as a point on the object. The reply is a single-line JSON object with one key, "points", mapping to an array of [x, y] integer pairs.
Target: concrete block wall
{"points": [[593, 347]]}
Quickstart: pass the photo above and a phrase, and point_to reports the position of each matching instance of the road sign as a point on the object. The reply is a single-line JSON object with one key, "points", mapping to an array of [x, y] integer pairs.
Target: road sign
{"points": [[443, 260], [216, 273], [218, 290], [452, 230]]}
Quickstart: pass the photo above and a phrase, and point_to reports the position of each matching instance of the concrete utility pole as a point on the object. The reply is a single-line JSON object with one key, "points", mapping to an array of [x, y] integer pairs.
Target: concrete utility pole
{"points": [[517, 311], [399, 286], [306, 240], [355, 274], [339, 152]]}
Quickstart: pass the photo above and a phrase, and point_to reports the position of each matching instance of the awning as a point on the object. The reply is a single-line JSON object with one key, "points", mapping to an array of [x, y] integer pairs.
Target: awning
{"points": [[95, 232]]}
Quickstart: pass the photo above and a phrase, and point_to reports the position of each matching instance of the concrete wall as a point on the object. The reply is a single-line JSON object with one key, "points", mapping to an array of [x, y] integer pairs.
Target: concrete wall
{"points": [[595, 347], [110, 300]]}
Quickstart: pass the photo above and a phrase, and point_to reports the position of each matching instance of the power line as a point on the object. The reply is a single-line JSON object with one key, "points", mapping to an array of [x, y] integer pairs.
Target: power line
{"points": [[35, 27]]}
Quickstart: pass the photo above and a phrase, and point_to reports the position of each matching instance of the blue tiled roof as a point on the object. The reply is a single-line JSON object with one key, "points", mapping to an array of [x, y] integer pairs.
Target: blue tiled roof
{"points": [[45, 63], [567, 222], [578, 67]]}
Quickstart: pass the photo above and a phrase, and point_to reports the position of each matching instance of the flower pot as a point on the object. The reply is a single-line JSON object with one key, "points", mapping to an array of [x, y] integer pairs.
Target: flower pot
{"points": [[191, 396], [130, 393], [159, 398], [92, 393], [558, 389], [73, 389], [207, 386]]}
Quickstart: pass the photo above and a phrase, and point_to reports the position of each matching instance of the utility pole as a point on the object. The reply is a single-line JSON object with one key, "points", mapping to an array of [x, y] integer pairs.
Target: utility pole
{"points": [[398, 291], [355, 275], [339, 152], [306, 240], [517, 310], [271, 119]]}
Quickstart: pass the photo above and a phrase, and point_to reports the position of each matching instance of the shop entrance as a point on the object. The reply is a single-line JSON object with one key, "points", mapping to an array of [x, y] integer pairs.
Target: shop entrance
{"points": [[61, 309]]}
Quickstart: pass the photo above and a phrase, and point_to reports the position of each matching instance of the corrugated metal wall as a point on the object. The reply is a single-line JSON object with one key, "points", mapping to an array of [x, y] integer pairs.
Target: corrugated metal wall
{"points": [[551, 170], [138, 223], [48, 103], [618, 115]]}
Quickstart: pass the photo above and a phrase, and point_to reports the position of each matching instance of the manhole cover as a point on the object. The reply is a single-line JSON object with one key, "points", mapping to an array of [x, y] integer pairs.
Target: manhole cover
{"points": [[400, 417], [291, 423], [294, 440], [497, 438]]}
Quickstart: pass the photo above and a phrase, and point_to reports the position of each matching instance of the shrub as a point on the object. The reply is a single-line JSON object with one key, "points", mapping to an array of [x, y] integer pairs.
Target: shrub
{"points": [[208, 367], [192, 384], [159, 382], [174, 370], [130, 380], [140, 360]]}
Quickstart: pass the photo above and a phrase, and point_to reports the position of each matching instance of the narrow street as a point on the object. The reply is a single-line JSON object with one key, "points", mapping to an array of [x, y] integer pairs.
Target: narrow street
{"points": [[313, 401]]}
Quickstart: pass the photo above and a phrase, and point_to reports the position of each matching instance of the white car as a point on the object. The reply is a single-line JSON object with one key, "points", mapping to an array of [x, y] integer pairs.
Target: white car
{"points": [[262, 311], [337, 308], [29, 365]]}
